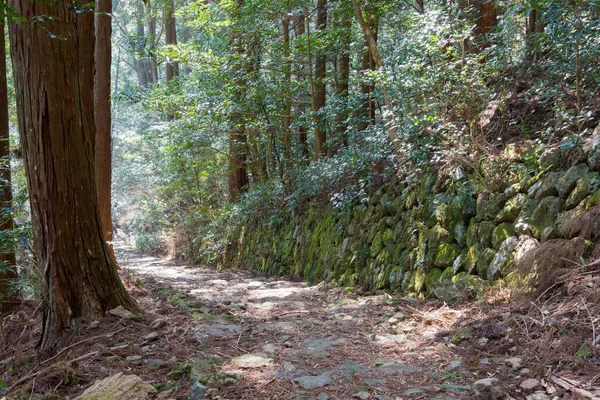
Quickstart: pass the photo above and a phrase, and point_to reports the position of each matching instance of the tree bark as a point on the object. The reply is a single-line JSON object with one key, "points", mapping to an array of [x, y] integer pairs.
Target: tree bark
{"points": [[172, 69], [535, 25], [7, 256], [302, 135], [344, 21], [366, 89], [54, 80], [142, 65], [320, 90], [103, 148], [238, 143], [372, 42], [487, 20], [287, 120]]}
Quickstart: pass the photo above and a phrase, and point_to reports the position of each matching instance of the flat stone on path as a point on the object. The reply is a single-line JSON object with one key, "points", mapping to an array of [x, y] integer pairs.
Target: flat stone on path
{"points": [[256, 360], [217, 330], [394, 368], [118, 386], [313, 382], [121, 312]]}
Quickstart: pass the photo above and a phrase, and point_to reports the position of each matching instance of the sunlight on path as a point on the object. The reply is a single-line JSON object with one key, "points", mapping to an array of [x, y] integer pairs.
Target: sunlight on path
{"points": [[261, 337]]}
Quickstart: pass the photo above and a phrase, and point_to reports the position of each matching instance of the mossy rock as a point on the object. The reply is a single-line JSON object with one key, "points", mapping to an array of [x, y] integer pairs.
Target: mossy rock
{"points": [[568, 181], [460, 234], [463, 334], [535, 180], [512, 208], [489, 206], [593, 200], [445, 255], [503, 258], [469, 284], [501, 233], [377, 244], [438, 236], [548, 184], [584, 186], [471, 258], [485, 234], [585, 351], [432, 278], [544, 215], [388, 237], [446, 291], [483, 263], [419, 279]]}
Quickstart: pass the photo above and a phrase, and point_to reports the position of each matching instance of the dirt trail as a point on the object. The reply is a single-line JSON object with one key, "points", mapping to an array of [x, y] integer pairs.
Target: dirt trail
{"points": [[248, 336]]}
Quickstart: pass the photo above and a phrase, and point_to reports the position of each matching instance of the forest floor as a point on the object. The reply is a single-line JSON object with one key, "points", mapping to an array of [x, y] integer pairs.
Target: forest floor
{"points": [[231, 334]]}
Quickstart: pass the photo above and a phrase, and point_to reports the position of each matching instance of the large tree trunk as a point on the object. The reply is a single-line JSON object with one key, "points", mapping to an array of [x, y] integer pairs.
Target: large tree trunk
{"points": [[153, 39], [7, 255], [103, 147], [54, 80], [320, 92]]}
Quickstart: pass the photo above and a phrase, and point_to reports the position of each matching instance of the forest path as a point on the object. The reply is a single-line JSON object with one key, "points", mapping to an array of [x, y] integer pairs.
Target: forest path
{"points": [[247, 336]]}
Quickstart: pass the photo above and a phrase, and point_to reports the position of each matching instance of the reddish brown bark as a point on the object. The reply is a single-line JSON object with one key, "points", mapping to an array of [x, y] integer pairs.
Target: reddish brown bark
{"points": [[7, 257], [287, 120], [368, 64], [488, 19], [238, 143], [54, 80], [320, 92], [302, 135], [172, 69], [102, 117]]}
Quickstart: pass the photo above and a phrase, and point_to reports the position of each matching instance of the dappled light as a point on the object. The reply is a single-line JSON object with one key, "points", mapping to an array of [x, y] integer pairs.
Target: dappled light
{"points": [[300, 199]]}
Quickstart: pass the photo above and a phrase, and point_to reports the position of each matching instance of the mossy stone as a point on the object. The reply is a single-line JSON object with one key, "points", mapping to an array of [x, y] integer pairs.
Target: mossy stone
{"points": [[548, 185], [503, 258], [471, 259], [544, 215], [485, 260], [419, 279], [490, 206], [585, 351], [501, 233], [593, 200], [568, 181], [512, 208], [377, 244], [438, 236], [485, 230], [432, 278], [584, 186], [463, 334], [388, 237], [445, 255]]}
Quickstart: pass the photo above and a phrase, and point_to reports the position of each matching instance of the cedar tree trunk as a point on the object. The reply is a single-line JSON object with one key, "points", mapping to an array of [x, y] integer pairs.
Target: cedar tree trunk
{"points": [[54, 81], [7, 256]]}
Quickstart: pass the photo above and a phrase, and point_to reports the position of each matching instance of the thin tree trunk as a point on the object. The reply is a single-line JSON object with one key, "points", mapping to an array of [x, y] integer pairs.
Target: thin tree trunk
{"points": [[300, 30], [171, 39], [152, 37], [535, 25], [103, 148], [7, 257], [142, 66], [372, 42], [54, 81], [238, 143], [320, 92], [368, 64], [342, 91], [487, 20], [287, 120]]}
